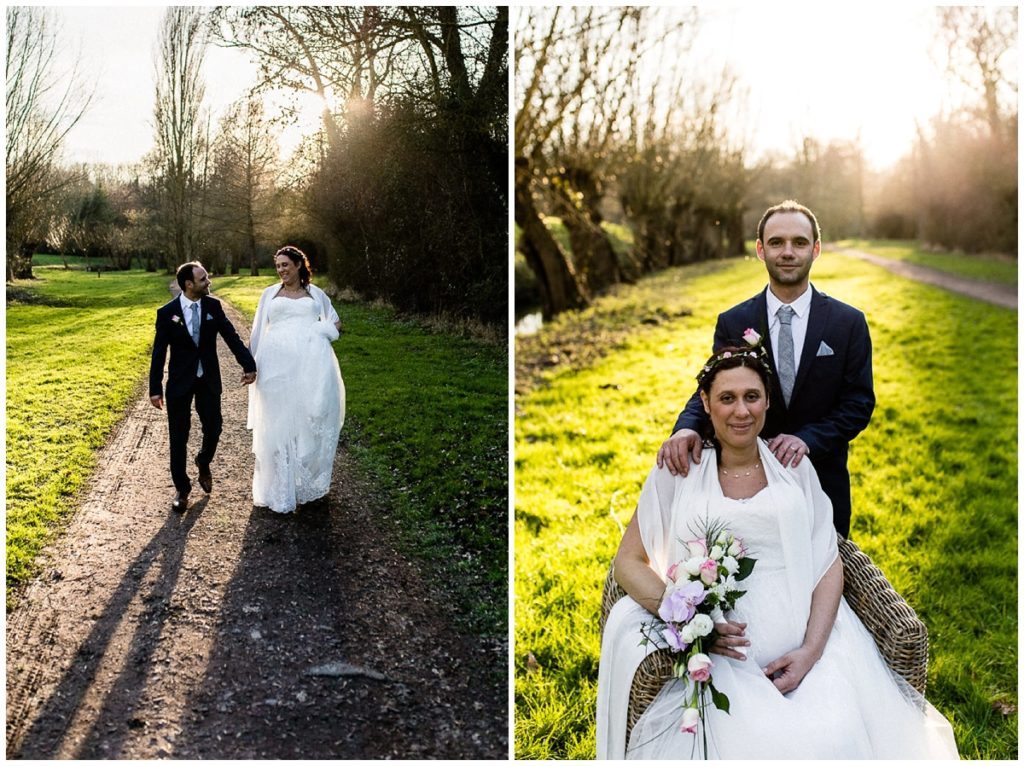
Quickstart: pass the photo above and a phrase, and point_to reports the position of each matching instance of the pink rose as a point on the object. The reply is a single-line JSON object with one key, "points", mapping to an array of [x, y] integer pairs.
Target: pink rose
{"points": [[691, 720], [751, 336], [699, 668], [709, 572], [671, 573]]}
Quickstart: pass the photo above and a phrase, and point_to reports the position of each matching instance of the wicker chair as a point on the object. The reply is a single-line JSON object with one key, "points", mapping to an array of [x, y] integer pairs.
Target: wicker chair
{"points": [[901, 637]]}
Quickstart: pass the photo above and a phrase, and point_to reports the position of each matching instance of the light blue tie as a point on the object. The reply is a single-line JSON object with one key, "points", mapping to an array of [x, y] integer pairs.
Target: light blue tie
{"points": [[195, 334], [787, 364]]}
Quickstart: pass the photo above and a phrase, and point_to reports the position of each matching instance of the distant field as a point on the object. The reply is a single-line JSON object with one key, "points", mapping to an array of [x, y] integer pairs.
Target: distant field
{"points": [[934, 480], [987, 267]]}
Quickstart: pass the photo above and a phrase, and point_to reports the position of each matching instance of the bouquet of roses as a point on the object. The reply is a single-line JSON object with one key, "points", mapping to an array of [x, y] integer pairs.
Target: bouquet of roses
{"points": [[700, 590]]}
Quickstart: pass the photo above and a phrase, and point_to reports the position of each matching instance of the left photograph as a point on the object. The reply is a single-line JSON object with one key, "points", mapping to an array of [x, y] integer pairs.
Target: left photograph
{"points": [[257, 382]]}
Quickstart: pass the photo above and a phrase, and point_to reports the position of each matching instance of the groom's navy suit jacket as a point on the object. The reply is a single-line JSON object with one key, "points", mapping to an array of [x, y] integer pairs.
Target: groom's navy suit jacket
{"points": [[172, 332], [832, 397]]}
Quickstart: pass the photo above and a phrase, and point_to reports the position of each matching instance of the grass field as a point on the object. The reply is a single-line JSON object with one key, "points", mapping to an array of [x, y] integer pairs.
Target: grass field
{"points": [[986, 267], [76, 354], [427, 417], [934, 481]]}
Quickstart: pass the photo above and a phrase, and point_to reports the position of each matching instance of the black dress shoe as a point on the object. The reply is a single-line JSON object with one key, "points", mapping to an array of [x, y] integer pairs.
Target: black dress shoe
{"points": [[205, 478], [180, 502]]}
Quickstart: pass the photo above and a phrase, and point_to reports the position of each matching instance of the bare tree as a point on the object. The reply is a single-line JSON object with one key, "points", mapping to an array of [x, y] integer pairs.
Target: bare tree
{"points": [[980, 51], [43, 105], [409, 195], [603, 110], [179, 124], [245, 157]]}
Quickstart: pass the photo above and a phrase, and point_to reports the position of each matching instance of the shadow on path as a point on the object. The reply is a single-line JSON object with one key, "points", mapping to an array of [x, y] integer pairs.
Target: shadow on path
{"points": [[135, 614], [330, 645]]}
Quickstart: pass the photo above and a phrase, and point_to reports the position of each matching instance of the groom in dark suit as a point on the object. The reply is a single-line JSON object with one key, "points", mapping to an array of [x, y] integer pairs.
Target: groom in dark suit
{"points": [[822, 395], [189, 325]]}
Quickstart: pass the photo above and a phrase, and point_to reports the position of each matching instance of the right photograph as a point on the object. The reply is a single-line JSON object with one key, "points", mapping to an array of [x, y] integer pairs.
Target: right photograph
{"points": [[766, 461]]}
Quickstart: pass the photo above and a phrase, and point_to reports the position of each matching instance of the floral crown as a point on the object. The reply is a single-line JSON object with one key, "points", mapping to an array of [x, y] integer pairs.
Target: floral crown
{"points": [[755, 350]]}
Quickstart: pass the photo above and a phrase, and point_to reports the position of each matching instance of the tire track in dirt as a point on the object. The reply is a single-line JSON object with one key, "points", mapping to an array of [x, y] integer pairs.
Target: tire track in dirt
{"points": [[151, 634]]}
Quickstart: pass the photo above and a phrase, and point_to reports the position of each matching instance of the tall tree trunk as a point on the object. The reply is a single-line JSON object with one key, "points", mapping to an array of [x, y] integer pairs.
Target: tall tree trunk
{"points": [[250, 231], [593, 256], [559, 288]]}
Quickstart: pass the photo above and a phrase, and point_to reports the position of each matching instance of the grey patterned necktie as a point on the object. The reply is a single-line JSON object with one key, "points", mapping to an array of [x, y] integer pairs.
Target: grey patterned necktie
{"points": [[787, 364], [194, 308]]}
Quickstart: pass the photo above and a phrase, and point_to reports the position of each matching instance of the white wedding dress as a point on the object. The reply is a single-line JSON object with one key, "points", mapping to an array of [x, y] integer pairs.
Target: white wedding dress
{"points": [[297, 404], [849, 706]]}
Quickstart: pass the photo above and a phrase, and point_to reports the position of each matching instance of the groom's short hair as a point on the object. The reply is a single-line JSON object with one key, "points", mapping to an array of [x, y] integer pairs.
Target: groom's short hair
{"points": [[788, 206], [185, 273]]}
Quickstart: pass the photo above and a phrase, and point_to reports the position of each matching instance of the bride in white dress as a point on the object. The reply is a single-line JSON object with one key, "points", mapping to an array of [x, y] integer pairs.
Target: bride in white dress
{"points": [[802, 674], [297, 405]]}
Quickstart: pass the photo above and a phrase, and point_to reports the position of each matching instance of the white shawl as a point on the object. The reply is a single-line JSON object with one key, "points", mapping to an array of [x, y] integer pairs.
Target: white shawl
{"points": [[326, 314], [669, 506], [259, 322]]}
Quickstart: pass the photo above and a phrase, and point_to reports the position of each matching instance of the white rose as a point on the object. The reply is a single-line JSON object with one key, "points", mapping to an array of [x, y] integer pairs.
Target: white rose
{"points": [[736, 548], [716, 553], [697, 548], [723, 536], [701, 624], [687, 633], [731, 565], [692, 565]]}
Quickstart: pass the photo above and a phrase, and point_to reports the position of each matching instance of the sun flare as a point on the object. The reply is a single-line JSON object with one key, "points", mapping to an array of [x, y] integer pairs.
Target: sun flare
{"points": [[303, 115]]}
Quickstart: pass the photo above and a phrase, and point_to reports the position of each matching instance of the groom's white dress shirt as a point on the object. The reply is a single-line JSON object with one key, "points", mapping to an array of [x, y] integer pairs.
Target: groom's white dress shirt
{"points": [[801, 312], [186, 312]]}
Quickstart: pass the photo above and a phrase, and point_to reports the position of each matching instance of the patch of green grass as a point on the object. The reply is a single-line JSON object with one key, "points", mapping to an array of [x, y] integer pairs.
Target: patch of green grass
{"points": [[55, 259], [986, 267], [427, 416], [75, 358], [934, 482]]}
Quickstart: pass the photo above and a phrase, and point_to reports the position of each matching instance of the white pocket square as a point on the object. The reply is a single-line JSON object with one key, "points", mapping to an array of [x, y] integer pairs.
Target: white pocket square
{"points": [[825, 350], [210, 318]]}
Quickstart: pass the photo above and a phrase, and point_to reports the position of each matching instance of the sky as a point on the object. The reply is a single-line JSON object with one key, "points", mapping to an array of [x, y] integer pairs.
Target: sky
{"points": [[116, 49], [863, 68], [830, 70]]}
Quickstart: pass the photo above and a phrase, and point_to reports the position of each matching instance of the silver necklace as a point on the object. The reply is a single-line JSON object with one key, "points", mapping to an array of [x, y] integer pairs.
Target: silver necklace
{"points": [[750, 470]]}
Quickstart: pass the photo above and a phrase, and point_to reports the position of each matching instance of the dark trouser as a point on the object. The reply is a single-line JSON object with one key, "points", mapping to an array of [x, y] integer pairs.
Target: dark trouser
{"points": [[179, 423]]}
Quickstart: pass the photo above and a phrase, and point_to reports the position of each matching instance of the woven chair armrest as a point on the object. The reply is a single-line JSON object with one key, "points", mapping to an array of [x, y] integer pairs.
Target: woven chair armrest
{"points": [[901, 637]]}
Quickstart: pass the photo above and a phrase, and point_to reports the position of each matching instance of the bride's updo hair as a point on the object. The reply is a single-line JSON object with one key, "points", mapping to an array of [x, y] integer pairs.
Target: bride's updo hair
{"points": [[299, 258], [729, 358]]}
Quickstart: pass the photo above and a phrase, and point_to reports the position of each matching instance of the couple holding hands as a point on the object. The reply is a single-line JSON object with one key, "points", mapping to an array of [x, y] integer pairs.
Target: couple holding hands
{"points": [[297, 398]]}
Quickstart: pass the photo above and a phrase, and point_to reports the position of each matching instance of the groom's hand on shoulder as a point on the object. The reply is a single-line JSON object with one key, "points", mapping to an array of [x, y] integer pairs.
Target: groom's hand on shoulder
{"points": [[157, 401], [676, 452]]}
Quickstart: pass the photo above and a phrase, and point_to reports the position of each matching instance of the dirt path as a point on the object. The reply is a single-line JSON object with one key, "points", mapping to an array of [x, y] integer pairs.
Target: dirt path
{"points": [[990, 292], [231, 632]]}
